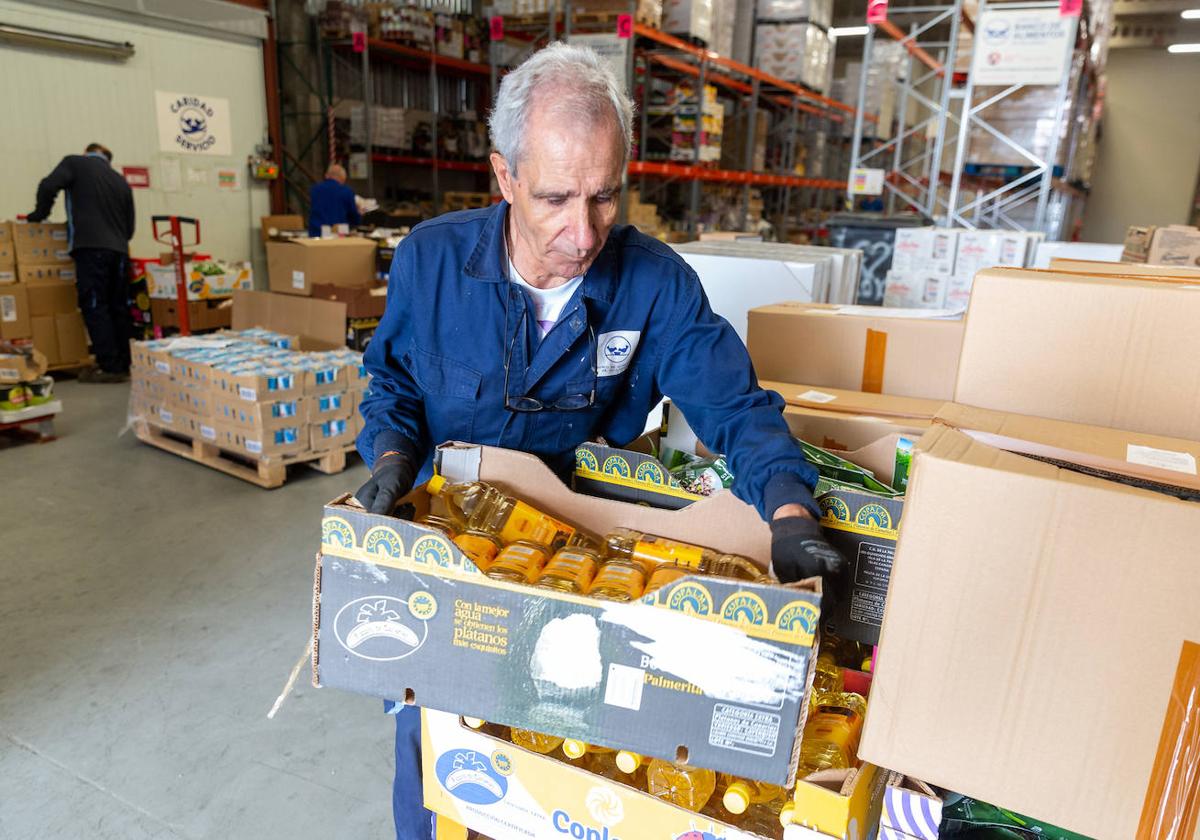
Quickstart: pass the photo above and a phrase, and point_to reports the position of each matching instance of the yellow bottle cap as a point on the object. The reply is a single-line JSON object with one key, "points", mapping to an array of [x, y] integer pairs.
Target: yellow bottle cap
{"points": [[786, 813], [737, 798], [574, 748], [474, 723], [435, 485], [628, 762]]}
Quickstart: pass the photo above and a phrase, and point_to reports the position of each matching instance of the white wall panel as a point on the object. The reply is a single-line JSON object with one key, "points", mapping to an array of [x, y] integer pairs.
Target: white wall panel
{"points": [[55, 104]]}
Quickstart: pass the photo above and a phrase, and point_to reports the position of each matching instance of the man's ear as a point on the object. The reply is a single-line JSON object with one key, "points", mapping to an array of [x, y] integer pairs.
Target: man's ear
{"points": [[505, 177]]}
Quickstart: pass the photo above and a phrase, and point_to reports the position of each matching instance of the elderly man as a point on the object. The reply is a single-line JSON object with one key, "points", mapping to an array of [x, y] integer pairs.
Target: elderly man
{"points": [[536, 324], [331, 202]]}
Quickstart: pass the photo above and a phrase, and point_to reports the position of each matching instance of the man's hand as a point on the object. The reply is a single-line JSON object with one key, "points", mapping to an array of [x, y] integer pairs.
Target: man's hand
{"points": [[389, 482], [799, 550]]}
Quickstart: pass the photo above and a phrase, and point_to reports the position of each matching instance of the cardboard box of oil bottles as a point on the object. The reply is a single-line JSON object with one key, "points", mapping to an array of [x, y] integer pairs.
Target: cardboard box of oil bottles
{"points": [[501, 790], [716, 667]]}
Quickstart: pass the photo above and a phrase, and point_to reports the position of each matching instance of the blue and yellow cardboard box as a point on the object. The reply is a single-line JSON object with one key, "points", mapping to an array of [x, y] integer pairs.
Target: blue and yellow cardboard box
{"points": [[711, 668], [498, 789], [631, 474]]}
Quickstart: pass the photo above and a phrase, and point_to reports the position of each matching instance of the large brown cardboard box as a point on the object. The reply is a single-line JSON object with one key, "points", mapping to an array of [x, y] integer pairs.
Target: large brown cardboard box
{"points": [[40, 242], [21, 366], [36, 272], [14, 312], [1124, 269], [8, 252], [201, 315], [361, 301], [294, 266], [283, 222], [1175, 245], [72, 337], [856, 348], [52, 296], [1109, 351], [45, 337], [1041, 642], [320, 324]]}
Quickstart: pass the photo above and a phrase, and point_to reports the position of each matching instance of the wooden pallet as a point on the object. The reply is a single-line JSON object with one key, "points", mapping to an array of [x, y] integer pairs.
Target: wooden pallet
{"points": [[267, 473]]}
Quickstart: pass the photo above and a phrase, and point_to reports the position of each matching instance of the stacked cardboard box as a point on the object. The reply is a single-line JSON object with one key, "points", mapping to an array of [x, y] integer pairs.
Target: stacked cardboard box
{"points": [[795, 52], [1173, 245], [856, 348], [268, 392], [295, 265], [510, 641], [1054, 506], [38, 299], [933, 268]]}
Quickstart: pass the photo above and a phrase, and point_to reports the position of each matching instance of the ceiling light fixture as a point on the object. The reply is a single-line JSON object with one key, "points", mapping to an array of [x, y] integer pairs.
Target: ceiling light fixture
{"points": [[1184, 48], [1190, 14], [848, 31]]}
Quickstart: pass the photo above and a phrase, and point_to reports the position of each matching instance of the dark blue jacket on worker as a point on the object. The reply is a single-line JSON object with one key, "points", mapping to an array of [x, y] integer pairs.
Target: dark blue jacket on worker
{"points": [[331, 203], [639, 327]]}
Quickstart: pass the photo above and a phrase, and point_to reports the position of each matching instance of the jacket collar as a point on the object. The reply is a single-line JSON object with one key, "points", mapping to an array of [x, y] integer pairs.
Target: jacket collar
{"points": [[489, 260]]}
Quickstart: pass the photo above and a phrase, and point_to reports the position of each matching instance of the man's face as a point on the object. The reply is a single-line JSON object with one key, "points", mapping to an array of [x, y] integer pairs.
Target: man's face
{"points": [[565, 194]]}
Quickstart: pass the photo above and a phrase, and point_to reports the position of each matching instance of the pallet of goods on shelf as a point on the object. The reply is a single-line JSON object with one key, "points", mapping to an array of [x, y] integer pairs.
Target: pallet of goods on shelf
{"points": [[819, 12], [676, 140], [889, 63], [801, 53], [689, 19]]}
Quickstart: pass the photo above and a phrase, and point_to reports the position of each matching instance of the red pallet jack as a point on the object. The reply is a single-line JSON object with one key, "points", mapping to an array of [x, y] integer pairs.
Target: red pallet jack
{"points": [[173, 236]]}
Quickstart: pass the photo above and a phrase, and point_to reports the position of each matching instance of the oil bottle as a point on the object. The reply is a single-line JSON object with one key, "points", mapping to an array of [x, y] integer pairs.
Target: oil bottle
{"points": [[740, 794], [687, 787], [481, 507], [535, 741], [571, 569], [520, 562], [831, 735], [650, 551], [618, 581]]}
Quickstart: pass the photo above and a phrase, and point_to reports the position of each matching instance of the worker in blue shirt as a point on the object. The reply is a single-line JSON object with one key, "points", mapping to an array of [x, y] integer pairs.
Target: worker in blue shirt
{"points": [[537, 324], [331, 202]]}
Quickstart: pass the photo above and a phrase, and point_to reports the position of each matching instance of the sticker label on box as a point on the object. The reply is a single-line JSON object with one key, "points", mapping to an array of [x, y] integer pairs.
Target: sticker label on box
{"points": [[254, 446], [248, 394], [208, 432], [744, 730], [624, 686], [167, 416], [1163, 459], [816, 396], [8, 308], [162, 367], [297, 279]]}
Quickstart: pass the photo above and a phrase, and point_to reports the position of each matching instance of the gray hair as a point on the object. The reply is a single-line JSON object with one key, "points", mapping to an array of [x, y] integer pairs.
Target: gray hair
{"points": [[586, 85]]}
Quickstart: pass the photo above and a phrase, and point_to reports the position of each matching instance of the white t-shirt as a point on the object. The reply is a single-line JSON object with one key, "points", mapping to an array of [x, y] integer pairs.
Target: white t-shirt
{"points": [[548, 304]]}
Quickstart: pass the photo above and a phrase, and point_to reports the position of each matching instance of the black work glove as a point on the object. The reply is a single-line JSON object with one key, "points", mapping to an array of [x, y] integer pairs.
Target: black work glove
{"points": [[799, 551], [390, 481]]}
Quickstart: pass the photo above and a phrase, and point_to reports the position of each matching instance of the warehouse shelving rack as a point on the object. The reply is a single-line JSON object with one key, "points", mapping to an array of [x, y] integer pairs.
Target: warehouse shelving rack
{"points": [[349, 69], [947, 106]]}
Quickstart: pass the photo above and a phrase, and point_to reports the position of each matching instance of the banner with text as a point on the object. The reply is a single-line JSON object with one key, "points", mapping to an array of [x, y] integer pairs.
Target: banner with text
{"points": [[1022, 47]]}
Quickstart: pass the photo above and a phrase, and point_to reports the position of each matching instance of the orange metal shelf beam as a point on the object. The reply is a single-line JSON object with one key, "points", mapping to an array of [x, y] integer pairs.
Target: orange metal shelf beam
{"points": [[451, 165], [741, 87], [392, 48], [916, 52], [743, 69], [728, 176]]}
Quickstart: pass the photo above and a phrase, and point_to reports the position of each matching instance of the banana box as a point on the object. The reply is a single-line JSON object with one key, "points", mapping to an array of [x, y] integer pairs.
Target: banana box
{"points": [[498, 789], [714, 668], [206, 279], [863, 527], [629, 475]]}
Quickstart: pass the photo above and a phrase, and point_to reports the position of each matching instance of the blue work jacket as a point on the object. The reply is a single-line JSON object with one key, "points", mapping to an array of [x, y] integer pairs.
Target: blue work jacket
{"points": [[331, 203], [638, 327]]}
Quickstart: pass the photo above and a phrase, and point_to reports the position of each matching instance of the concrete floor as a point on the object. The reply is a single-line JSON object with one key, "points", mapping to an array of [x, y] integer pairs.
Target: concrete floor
{"points": [[151, 610]]}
